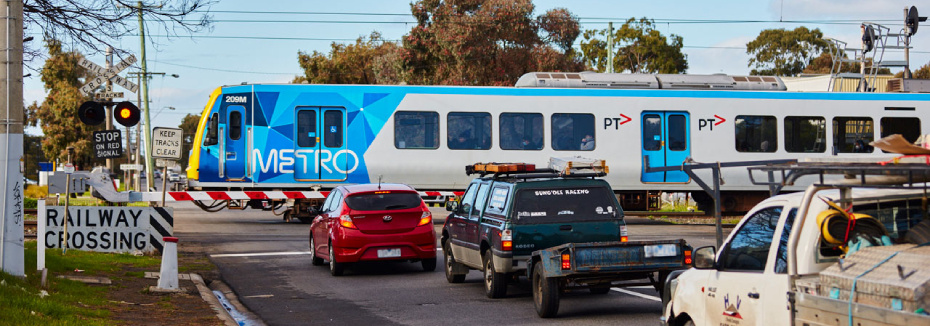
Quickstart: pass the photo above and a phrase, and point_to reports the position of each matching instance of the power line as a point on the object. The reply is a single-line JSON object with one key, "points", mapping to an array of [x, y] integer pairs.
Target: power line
{"points": [[225, 70]]}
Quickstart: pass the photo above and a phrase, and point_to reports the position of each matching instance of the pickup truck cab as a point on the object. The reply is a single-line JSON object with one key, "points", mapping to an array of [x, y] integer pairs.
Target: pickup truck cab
{"points": [[502, 219], [751, 279]]}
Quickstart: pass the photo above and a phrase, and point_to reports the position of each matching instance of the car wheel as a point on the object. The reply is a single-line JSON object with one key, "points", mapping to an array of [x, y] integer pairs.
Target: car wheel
{"points": [[429, 264], [335, 268], [545, 293], [495, 284], [600, 289], [450, 264], [316, 261]]}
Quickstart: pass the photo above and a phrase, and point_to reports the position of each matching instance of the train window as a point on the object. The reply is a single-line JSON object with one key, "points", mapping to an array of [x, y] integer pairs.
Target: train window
{"points": [[652, 132], [677, 132], [805, 134], [416, 130], [332, 121], [853, 134], [469, 130], [521, 131], [211, 137], [306, 128], [572, 132], [756, 133], [909, 128], [235, 125]]}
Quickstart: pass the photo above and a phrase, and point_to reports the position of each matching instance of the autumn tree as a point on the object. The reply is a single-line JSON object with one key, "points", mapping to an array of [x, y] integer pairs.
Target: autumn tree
{"points": [[370, 60], [822, 65], [57, 115], [922, 73], [189, 129], [781, 52], [486, 42], [639, 48]]}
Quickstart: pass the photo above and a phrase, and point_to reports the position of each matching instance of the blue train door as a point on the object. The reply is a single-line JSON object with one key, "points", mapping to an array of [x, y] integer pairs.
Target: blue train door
{"points": [[235, 155], [665, 143], [320, 153]]}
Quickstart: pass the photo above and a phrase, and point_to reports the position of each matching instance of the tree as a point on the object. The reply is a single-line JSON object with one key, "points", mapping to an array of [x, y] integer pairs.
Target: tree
{"points": [[640, 48], [922, 73], [189, 129], [32, 155], [95, 24], [782, 52], [57, 115], [822, 64], [486, 42], [370, 60]]}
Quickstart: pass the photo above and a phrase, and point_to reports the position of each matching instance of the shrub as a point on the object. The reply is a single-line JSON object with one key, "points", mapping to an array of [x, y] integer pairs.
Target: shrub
{"points": [[36, 192]]}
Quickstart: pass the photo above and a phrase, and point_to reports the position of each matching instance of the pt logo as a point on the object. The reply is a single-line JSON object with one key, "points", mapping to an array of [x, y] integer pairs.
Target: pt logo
{"points": [[616, 122], [710, 123], [732, 308]]}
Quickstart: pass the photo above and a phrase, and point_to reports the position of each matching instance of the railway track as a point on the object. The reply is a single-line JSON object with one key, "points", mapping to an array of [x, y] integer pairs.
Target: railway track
{"points": [[30, 225]]}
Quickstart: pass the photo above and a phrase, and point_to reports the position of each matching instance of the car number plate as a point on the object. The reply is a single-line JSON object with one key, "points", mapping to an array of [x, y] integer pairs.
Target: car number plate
{"points": [[388, 253], [662, 250]]}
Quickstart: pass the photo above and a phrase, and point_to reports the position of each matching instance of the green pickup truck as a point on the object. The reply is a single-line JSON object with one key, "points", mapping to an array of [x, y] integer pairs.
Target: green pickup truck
{"points": [[506, 219]]}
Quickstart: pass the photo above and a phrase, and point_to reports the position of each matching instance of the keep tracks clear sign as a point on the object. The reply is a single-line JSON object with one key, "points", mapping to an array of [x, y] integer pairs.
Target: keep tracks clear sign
{"points": [[107, 229]]}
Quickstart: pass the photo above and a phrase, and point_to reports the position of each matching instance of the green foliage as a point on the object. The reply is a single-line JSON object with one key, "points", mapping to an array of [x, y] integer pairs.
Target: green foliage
{"points": [[30, 203], [189, 127], [58, 112], [371, 60], [486, 42], [923, 72], [32, 155], [640, 48], [782, 52]]}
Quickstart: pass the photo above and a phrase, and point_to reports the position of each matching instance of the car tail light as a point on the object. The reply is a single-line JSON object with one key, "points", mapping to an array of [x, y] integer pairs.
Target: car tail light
{"points": [[346, 222], [687, 257], [566, 261], [623, 234], [426, 218], [507, 240]]}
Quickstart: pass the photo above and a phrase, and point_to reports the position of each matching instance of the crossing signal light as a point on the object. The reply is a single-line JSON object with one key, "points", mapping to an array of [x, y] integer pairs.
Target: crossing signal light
{"points": [[127, 114], [91, 113]]}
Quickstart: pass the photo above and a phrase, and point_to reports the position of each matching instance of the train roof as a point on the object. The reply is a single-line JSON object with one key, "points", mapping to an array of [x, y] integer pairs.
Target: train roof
{"points": [[650, 81]]}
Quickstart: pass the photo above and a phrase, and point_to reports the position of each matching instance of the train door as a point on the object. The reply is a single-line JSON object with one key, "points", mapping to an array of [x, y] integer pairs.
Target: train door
{"points": [[665, 142], [234, 152], [320, 150]]}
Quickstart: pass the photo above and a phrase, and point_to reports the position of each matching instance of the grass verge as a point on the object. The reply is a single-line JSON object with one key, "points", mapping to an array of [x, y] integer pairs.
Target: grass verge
{"points": [[24, 302]]}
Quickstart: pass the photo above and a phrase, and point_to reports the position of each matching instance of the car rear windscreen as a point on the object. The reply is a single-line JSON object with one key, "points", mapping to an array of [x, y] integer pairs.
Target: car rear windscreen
{"points": [[555, 205], [383, 201]]}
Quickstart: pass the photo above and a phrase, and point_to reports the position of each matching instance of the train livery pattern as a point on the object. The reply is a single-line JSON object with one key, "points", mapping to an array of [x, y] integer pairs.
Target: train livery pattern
{"points": [[297, 136]]}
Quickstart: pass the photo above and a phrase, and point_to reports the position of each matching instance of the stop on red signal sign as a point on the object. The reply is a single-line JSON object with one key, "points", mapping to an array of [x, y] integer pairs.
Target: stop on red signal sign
{"points": [[127, 114]]}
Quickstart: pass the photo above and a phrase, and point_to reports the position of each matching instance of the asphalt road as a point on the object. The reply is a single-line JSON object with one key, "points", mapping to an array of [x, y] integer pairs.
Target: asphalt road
{"points": [[265, 261]]}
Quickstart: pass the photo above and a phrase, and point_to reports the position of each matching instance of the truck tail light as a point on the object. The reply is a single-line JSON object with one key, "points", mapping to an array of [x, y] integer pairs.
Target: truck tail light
{"points": [[426, 218], [687, 257], [507, 240], [623, 234], [346, 222], [566, 261]]}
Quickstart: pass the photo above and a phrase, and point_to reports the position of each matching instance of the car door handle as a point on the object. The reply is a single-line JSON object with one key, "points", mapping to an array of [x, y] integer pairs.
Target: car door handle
{"points": [[754, 295], [565, 227]]}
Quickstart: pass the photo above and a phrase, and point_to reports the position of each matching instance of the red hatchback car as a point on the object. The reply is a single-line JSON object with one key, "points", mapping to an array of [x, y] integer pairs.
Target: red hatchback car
{"points": [[372, 222]]}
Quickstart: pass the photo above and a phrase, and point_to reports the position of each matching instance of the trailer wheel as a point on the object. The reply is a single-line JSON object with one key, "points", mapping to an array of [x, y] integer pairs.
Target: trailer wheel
{"points": [[495, 284], [545, 293]]}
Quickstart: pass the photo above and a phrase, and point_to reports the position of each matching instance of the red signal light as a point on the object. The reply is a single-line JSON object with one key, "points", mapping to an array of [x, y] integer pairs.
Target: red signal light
{"points": [[127, 114]]}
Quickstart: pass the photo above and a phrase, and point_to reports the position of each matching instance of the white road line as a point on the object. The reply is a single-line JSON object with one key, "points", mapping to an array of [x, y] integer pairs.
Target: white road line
{"points": [[281, 253], [637, 294]]}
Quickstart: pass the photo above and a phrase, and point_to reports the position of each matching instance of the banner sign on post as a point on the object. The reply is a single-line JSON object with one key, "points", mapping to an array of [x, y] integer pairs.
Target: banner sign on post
{"points": [[108, 229]]}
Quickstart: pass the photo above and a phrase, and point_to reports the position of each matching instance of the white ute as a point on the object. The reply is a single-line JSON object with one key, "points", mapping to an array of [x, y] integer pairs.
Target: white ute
{"points": [[777, 269]]}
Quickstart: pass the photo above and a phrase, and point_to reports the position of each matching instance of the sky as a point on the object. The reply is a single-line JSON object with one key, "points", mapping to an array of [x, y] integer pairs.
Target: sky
{"points": [[234, 52]]}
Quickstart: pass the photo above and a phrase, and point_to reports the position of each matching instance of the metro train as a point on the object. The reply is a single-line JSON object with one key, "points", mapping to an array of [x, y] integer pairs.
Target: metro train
{"points": [[311, 136]]}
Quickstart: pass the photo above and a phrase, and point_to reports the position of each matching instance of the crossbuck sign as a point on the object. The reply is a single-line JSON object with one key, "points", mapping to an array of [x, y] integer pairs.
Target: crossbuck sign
{"points": [[104, 74]]}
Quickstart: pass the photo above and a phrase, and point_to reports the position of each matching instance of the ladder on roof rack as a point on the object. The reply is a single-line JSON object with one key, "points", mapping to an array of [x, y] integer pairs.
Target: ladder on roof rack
{"points": [[904, 172]]}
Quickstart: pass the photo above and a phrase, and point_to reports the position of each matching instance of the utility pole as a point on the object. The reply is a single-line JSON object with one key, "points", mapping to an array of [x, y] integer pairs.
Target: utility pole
{"points": [[11, 139], [146, 136], [610, 47], [109, 101]]}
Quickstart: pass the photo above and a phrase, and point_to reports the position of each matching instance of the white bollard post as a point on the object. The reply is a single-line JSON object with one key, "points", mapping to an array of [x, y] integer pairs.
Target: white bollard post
{"points": [[168, 277]]}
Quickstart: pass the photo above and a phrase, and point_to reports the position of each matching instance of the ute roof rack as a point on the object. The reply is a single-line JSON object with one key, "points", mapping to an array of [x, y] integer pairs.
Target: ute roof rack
{"points": [[559, 168], [909, 171]]}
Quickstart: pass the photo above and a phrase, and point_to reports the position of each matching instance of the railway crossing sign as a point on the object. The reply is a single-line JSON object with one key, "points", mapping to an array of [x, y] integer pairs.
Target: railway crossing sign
{"points": [[104, 74]]}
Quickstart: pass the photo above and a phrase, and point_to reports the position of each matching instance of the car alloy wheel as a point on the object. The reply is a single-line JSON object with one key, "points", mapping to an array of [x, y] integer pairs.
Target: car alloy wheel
{"points": [[335, 268]]}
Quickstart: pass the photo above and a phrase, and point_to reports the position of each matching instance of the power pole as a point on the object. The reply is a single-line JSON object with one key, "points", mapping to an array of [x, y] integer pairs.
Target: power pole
{"points": [[149, 174], [109, 106], [11, 139], [610, 47]]}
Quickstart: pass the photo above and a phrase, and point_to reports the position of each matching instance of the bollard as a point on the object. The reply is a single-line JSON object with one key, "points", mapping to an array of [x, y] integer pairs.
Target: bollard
{"points": [[168, 277]]}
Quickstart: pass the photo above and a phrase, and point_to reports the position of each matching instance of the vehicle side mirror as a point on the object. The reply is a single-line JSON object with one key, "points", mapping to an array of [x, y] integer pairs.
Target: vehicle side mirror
{"points": [[704, 257], [313, 210], [452, 206]]}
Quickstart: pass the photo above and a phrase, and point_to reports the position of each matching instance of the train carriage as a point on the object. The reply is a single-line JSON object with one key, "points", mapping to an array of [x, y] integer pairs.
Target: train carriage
{"points": [[303, 136]]}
